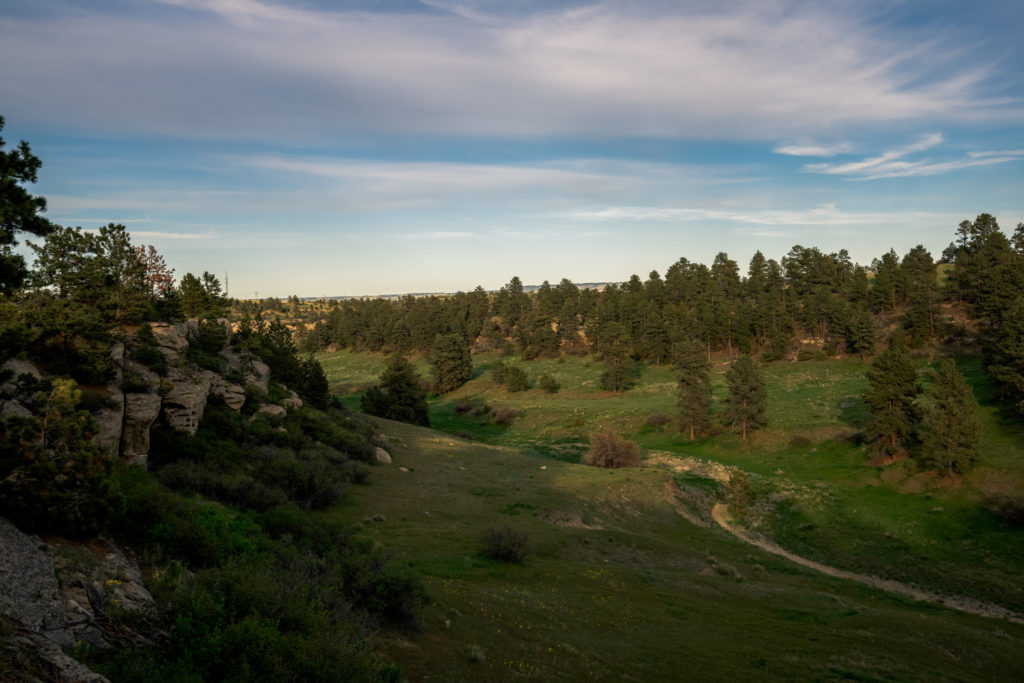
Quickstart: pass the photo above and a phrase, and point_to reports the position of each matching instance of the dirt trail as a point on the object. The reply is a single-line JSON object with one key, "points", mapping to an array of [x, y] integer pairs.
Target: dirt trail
{"points": [[720, 514]]}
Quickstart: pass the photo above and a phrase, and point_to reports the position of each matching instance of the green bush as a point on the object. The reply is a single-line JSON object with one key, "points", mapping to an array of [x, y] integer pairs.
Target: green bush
{"points": [[549, 384], [506, 544]]}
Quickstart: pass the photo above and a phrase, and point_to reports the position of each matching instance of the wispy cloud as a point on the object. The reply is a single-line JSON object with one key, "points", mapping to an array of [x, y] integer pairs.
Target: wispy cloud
{"points": [[441, 235], [891, 164], [814, 150], [825, 215], [241, 68]]}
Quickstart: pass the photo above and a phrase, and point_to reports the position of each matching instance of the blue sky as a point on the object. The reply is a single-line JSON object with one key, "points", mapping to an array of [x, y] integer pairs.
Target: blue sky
{"points": [[330, 148]]}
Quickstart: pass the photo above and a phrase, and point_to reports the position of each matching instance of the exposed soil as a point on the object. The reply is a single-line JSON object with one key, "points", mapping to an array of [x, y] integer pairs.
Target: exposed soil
{"points": [[721, 516]]}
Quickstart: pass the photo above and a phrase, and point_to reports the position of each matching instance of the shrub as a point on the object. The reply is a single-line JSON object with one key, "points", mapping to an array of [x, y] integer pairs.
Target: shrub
{"points": [[152, 357], [658, 421], [800, 441], [612, 451], [505, 544], [463, 407], [549, 384], [505, 416], [516, 379], [1009, 510]]}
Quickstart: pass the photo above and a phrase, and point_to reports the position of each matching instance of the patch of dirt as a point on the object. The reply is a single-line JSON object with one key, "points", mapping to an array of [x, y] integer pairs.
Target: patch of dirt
{"points": [[721, 516], [570, 519]]}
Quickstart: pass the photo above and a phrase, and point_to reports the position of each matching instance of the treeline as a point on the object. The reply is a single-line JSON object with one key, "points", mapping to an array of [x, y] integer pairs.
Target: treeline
{"points": [[809, 293]]}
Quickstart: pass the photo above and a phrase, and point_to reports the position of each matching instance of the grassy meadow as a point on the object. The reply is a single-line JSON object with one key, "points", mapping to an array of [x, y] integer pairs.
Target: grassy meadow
{"points": [[621, 587]]}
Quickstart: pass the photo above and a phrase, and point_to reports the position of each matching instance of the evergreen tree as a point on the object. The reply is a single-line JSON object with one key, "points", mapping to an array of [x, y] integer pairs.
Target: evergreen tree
{"points": [[950, 430], [399, 395], [1007, 357], [19, 210], [615, 354], [860, 332], [748, 399], [694, 387], [313, 385], [892, 390], [452, 366]]}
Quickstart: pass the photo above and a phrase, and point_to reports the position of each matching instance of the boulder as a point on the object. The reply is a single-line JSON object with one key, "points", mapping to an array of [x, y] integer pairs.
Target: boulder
{"points": [[381, 455], [171, 339], [140, 412], [233, 394], [17, 368], [271, 412], [255, 371], [13, 408], [29, 591], [185, 403], [293, 401]]}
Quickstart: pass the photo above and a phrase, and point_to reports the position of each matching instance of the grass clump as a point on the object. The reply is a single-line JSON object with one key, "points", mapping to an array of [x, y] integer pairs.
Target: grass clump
{"points": [[505, 544], [610, 450]]}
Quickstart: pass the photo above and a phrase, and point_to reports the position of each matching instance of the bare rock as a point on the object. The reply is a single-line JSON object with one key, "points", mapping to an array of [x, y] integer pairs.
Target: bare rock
{"points": [[255, 371], [381, 455], [47, 656], [185, 403], [171, 339], [233, 394], [17, 368], [28, 586], [13, 408], [140, 412], [271, 412], [293, 401]]}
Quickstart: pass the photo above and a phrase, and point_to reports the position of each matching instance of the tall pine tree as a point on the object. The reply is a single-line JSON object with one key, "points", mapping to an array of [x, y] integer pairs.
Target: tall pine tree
{"points": [[950, 430], [748, 399], [694, 387], [892, 390]]}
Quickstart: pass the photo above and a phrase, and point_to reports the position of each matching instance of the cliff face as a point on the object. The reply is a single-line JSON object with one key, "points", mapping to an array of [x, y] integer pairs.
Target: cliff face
{"points": [[137, 396], [55, 593]]}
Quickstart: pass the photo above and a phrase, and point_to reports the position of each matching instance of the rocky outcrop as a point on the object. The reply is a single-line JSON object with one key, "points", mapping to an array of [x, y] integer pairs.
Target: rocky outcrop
{"points": [[233, 394], [185, 402], [255, 371], [28, 586], [111, 419], [293, 401], [271, 412], [381, 455], [10, 406], [171, 339], [140, 412], [49, 614]]}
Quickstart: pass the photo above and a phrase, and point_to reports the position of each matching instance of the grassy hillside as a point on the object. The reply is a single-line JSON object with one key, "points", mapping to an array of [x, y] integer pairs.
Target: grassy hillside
{"points": [[818, 495], [622, 587]]}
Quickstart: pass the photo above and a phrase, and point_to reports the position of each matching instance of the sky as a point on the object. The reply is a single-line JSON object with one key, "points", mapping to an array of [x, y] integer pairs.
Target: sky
{"points": [[388, 146]]}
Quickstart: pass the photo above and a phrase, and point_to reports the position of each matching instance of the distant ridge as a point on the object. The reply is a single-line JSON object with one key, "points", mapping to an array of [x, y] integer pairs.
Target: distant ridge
{"points": [[526, 288]]}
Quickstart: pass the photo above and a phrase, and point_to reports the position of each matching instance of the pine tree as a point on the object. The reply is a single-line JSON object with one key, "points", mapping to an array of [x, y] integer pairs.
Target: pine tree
{"points": [[615, 354], [19, 210], [748, 399], [893, 387], [950, 431], [399, 395], [452, 366], [694, 388]]}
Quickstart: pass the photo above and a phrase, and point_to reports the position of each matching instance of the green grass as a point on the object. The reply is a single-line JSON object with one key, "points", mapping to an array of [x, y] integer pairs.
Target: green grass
{"points": [[620, 587], [831, 505]]}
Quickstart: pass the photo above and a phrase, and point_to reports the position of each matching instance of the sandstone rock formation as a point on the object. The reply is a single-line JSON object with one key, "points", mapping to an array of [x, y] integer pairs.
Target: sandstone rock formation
{"points": [[140, 412], [185, 402]]}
